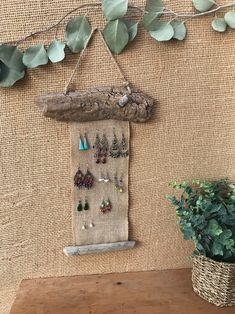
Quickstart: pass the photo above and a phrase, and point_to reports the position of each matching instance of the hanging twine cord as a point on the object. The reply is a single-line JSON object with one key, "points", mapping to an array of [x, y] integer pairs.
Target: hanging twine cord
{"points": [[125, 81]]}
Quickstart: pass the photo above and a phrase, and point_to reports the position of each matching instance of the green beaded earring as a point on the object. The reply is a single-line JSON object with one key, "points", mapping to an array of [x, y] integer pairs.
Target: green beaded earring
{"points": [[86, 205], [80, 207]]}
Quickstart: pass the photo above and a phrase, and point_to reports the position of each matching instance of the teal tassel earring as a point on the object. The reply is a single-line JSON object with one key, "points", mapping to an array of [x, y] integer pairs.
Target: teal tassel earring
{"points": [[81, 144], [85, 143]]}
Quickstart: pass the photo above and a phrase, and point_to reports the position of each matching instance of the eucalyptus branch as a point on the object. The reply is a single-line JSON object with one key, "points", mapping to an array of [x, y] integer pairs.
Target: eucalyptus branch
{"points": [[42, 31], [169, 12]]}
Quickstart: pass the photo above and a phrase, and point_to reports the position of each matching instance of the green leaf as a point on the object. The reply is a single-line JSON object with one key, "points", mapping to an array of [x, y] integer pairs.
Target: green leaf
{"points": [[132, 28], [213, 228], [219, 25], [12, 57], [150, 21], [217, 249], [179, 31], [164, 32], [55, 51], [203, 5], [116, 36], [114, 9], [12, 68], [77, 33], [9, 76], [35, 56], [154, 6], [230, 19]]}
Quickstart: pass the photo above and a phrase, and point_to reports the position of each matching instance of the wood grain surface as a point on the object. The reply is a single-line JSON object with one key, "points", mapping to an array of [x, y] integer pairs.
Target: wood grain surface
{"points": [[161, 292]]}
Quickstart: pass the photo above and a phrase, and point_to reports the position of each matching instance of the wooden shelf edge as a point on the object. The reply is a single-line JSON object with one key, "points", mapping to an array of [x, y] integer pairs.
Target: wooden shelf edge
{"points": [[98, 248]]}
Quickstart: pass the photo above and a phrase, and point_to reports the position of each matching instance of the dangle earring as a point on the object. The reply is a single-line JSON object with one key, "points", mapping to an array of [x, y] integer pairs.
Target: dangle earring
{"points": [[81, 144], [106, 178], [124, 152], [108, 206], [119, 184], [103, 207], [88, 180], [97, 148], [114, 149], [79, 179], [104, 149], [79, 207], [86, 205], [85, 143]]}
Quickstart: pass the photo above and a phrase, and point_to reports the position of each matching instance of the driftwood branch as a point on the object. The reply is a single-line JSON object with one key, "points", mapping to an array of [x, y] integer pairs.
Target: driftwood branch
{"points": [[101, 103]]}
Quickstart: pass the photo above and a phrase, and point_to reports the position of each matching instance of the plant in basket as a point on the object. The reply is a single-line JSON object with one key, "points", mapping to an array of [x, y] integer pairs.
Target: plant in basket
{"points": [[206, 215]]}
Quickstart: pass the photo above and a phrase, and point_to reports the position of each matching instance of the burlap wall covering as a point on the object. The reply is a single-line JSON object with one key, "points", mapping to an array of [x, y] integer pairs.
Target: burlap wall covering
{"points": [[192, 135]]}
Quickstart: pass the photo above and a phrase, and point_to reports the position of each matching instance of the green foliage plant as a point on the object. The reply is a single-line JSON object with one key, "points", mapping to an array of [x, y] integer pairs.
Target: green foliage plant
{"points": [[206, 215]]}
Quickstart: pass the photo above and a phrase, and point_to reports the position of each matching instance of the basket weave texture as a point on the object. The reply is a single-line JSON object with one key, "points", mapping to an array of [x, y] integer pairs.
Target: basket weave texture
{"points": [[214, 281]]}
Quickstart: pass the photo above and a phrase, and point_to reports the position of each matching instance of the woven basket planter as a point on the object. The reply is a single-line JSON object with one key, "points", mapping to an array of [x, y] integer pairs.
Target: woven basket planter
{"points": [[214, 281]]}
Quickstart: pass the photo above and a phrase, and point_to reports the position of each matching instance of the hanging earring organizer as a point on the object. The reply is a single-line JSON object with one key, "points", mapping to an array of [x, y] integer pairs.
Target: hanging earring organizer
{"points": [[99, 158]]}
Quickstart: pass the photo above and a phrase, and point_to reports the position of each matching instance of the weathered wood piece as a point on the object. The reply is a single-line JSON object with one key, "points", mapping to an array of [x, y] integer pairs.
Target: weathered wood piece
{"points": [[100, 103], [98, 248]]}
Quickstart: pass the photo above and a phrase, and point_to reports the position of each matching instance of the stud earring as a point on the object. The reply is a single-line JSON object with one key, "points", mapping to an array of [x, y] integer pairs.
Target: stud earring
{"points": [[124, 147], [79, 207], [97, 148], [86, 205], [114, 149], [88, 180], [79, 179], [81, 144], [85, 143]]}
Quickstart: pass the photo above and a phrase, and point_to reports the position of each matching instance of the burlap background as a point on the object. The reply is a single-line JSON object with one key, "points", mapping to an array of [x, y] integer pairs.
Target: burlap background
{"points": [[192, 135]]}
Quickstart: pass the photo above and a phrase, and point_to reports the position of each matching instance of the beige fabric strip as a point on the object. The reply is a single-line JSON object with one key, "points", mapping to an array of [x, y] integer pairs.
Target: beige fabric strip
{"points": [[112, 226]]}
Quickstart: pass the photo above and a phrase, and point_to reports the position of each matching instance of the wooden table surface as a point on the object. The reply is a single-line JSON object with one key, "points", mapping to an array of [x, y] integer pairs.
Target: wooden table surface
{"points": [[156, 292]]}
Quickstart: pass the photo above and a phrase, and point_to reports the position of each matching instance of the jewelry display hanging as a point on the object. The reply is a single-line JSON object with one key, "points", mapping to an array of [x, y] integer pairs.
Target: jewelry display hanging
{"points": [[99, 225]]}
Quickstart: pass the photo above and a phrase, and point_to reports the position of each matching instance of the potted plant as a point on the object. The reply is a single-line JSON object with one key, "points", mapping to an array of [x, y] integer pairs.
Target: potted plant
{"points": [[206, 215]]}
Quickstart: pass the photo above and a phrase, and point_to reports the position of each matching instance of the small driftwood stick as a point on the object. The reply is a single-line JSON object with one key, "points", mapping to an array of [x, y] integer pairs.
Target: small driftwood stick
{"points": [[101, 103]]}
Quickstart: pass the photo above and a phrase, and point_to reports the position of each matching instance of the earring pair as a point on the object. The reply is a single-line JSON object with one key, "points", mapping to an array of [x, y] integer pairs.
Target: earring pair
{"points": [[83, 143], [105, 206], [101, 147], [119, 149], [84, 181], [103, 178], [91, 225], [82, 207]]}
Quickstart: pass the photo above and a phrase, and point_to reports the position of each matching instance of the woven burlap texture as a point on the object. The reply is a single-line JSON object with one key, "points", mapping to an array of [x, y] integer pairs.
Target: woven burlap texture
{"points": [[112, 226], [191, 135]]}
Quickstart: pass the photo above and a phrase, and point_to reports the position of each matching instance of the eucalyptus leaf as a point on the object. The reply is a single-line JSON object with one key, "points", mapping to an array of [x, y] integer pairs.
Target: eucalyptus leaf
{"points": [[150, 21], [132, 28], [230, 19], [35, 56], [154, 6], [55, 51], [12, 57], [77, 33], [164, 31], [219, 25], [114, 9], [203, 5], [9, 76], [116, 35], [179, 29]]}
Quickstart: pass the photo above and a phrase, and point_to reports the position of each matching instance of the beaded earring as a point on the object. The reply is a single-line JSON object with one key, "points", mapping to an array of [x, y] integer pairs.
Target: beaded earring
{"points": [[86, 205], [104, 149], [124, 147], [114, 149], [79, 207], [88, 180], [78, 179], [97, 148]]}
